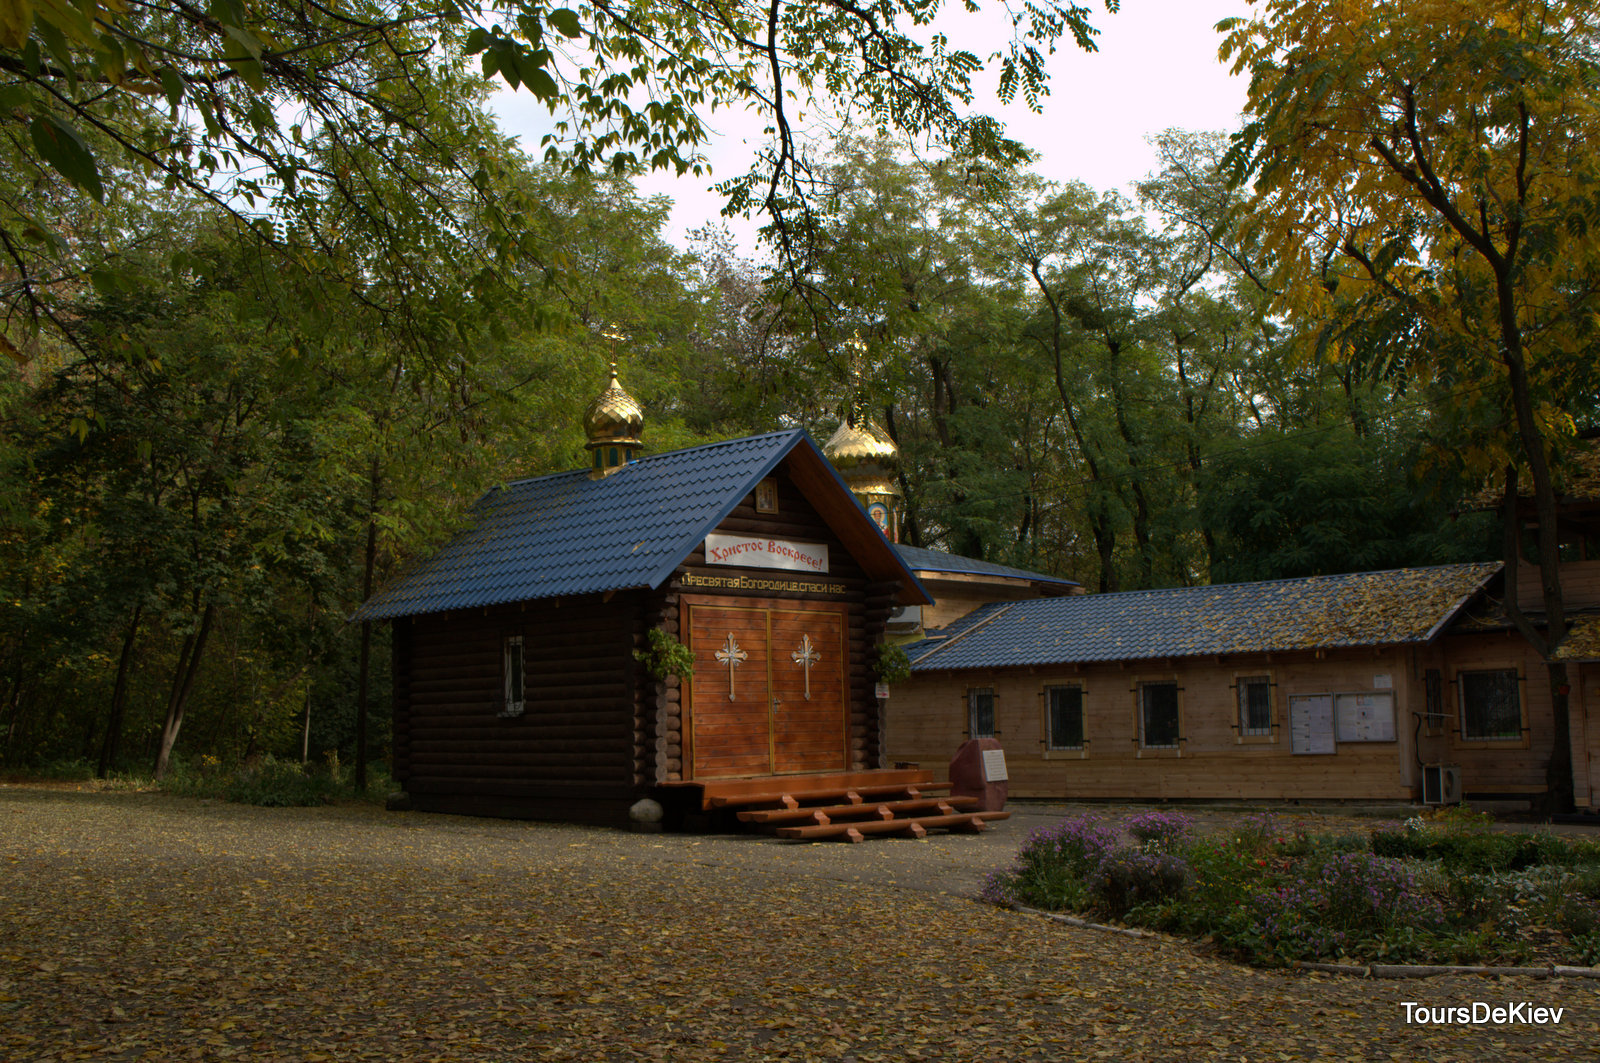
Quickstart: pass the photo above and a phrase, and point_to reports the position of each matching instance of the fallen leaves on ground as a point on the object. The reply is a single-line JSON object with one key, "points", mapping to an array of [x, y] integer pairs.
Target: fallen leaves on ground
{"points": [[135, 926]]}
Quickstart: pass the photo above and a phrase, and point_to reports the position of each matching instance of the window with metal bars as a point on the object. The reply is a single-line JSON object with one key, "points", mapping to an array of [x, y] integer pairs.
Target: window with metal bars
{"points": [[1491, 706], [514, 676], [1065, 706], [980, 712], [1158, 715], [1255, 704]]}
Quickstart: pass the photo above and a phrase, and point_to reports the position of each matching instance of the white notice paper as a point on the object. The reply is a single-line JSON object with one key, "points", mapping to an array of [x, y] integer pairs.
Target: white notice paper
{"points": [[994, 765]]}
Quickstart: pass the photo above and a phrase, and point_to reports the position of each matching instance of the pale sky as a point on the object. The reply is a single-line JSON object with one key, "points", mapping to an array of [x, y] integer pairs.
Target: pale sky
{"points": [[1156, 69]]}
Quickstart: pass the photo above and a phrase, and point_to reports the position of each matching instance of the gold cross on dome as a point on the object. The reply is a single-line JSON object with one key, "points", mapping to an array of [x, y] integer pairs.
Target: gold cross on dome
{"points": [[731, 655], [805, 657]]}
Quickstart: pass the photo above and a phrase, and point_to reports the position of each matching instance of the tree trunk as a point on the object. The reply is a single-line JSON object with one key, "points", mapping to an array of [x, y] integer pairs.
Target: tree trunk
{"points": [[182, 682], [14, 708], [119, 698], [366, 633], [1141, 501], [1559, 772], [1099, 521]]}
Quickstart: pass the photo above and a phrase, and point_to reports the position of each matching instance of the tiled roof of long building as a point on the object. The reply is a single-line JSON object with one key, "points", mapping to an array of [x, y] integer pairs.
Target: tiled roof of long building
{"points": [[1317, 612]]}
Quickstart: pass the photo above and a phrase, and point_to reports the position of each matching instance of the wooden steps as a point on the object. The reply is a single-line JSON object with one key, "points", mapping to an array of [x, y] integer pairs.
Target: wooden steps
{"points": [[883, 809], [910, 827], [849, 806], [855, 795]]}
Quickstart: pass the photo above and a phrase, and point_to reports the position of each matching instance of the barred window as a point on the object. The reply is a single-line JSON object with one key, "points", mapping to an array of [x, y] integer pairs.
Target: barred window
{"points": [[514, 677], [1158, 715], [1491, 705], [1066, 716], [1255, 705], [980, 713]]}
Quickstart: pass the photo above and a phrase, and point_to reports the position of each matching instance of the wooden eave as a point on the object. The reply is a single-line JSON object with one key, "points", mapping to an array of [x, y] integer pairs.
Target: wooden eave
{"points": [[832, 499]]}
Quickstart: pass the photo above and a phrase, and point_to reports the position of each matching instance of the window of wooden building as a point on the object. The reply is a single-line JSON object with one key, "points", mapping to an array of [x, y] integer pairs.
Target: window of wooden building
{"points": [[1064, 716], [1491, 704], [514, 676], [1158, 715], [980, 712], [1255, 705]]}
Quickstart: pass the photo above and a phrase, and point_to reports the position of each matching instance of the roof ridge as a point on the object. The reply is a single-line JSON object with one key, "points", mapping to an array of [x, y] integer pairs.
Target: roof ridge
{"points": [[584, 470], [953, 639], [1289, 579]]}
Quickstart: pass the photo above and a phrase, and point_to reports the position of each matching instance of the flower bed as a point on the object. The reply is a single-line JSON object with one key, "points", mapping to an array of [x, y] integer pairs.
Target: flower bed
{"points": [[1446, 889]]}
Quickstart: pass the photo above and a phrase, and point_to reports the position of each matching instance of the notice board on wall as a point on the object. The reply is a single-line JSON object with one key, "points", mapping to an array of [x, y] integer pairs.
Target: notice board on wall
{"points": [[1311, 724], [1365, 717]]}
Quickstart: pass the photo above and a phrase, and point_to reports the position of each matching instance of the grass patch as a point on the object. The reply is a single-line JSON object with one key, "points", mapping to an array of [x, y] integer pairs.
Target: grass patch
{"points": [[1445, 889], [263, 780], [274, 783]]}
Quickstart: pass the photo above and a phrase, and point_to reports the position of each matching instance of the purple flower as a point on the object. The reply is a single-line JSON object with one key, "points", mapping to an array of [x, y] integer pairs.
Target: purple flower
{"points": [[1160, 830]]}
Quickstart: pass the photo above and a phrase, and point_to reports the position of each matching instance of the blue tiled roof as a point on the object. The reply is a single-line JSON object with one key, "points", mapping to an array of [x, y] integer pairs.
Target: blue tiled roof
{"points": [[1319, 612], [919, 559], [567, 534]]}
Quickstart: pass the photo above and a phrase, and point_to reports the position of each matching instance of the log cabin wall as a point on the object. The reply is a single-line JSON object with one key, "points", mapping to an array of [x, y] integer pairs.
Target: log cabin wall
{"points": [[928, 720], [1580, 586], [868, 606], [659, 746], [574, 752]]}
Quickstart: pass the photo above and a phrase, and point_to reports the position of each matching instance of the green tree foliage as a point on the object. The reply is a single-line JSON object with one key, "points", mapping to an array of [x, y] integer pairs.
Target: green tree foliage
{"points": [[1320, 502], [1428, 171], [278, 112], [195, 490]]}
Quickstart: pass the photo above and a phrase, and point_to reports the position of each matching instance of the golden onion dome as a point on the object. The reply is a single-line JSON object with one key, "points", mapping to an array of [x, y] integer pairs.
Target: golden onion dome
{"points": [[613, 418], [858, 445]]}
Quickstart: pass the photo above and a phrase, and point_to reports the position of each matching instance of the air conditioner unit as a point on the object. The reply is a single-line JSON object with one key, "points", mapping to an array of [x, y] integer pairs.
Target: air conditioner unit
{"points": [[1441, 784], [906, 620]]}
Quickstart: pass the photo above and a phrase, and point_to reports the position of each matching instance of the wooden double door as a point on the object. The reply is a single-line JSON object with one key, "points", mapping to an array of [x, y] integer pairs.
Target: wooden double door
{"points": [[768, 692]]}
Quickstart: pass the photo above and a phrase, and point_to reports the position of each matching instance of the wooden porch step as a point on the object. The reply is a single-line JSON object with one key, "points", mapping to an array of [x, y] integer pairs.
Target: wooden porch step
{"points": [[791, 791], [789, 799], [911, 826], [881, 809]]}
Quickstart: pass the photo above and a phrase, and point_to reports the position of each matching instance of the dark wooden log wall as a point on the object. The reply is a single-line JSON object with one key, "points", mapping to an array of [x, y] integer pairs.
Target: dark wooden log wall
{"points": [[569, 756]]}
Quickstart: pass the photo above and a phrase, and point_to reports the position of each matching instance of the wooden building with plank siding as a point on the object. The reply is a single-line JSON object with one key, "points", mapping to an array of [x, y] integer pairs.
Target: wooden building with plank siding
{"points": [[516, 689], [1327, 688]]}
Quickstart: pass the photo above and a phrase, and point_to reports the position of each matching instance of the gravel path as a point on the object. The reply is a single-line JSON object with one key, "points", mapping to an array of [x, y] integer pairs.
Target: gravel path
{"points": [[137, 926]]}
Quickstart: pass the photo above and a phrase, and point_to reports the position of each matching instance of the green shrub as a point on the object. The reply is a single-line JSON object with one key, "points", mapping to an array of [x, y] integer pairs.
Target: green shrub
{"points": [[891, 663], [70, 769], [1464, 846], [273, 783], [1398, 844], [1440, 890], [1054, 862], [1322, 846], [1128, 879], [1587, 948], [665, 656]]}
